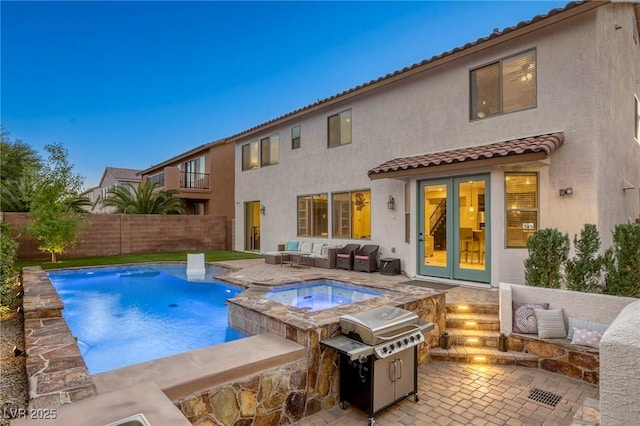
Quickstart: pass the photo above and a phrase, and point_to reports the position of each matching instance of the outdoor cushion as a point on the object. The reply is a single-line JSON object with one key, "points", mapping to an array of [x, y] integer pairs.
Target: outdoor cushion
{"points": [[550, 323], [305, 247], [344, 255], [586, 337], [585, 325], [524, 319], [317, 248], [362, 257], [291, 246]]}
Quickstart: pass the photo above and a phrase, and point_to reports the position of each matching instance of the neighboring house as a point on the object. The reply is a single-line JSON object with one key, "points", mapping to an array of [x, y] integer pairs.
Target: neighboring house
{"points": [[203, 177], [451, 163], [112, 177]]}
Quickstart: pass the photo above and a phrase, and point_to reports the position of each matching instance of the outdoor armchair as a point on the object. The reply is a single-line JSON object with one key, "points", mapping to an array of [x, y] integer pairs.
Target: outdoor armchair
{"points": [[366, 258], [344, 256]]}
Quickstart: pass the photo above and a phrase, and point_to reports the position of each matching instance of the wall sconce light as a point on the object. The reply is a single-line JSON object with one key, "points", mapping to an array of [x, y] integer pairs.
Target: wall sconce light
{"points": [[391, 203], [566, 191], [262, 209]]}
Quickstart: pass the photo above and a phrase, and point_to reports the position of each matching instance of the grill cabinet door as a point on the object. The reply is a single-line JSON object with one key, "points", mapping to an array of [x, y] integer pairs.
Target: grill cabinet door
{"points": [[394, 378]]}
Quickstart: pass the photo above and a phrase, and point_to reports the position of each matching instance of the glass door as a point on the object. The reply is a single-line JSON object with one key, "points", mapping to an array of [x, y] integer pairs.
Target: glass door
{"points": [[453, 230], [252, 226]]}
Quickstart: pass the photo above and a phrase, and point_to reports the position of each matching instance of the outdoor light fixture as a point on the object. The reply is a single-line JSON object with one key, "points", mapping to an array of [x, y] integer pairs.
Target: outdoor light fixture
{"points": [[262, 209], [391, 203], [566, 191], [444, 340], [502, 342]]}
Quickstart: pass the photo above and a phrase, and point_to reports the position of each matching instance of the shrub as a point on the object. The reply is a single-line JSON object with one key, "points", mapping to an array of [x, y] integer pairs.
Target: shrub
{"points": [[548, 251], [622, 261], [585, 271], [8, 272]]}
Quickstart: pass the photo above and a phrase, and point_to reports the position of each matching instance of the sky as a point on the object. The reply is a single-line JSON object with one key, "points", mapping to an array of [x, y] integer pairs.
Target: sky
{"points": [[133, 83]]}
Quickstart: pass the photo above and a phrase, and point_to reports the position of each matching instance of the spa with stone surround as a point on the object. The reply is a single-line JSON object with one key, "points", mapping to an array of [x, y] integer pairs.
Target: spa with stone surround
{"points": [[288, 377]]}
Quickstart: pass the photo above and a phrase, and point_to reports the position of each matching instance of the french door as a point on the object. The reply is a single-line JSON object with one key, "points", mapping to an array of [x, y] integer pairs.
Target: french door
{"points": [[454, 228]]}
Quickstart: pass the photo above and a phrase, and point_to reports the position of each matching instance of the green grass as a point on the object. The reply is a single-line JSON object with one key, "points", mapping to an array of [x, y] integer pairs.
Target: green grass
{"points": [[209, 255]]}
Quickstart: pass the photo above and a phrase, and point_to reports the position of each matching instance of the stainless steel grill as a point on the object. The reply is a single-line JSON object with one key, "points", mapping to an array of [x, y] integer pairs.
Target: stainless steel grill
{"points": [[378, 357]]}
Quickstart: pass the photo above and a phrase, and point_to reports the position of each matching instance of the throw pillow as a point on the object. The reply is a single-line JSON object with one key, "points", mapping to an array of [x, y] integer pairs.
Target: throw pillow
{"points": [[305, 247], [551, 323], [524, 319], [291, 246], [586, 337], [585, 325]]}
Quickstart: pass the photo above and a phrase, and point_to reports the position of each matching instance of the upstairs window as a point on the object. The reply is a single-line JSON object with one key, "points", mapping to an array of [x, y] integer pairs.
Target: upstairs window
{"points": [[270, 150], [504, 86], [339, 129], [295, 137], [261, 153]]}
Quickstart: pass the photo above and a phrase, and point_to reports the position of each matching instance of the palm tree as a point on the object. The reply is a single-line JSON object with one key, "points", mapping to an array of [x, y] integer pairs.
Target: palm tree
{"points": [[144, 200]]}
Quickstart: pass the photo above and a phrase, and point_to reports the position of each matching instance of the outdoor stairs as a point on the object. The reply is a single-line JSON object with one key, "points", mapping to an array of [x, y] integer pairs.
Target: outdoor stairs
{"points": [[474, 331]]}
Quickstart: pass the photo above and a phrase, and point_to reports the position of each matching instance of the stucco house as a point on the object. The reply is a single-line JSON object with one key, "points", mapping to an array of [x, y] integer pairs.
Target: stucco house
{"points": [[451, 163], [203, 177], [111, 177]]}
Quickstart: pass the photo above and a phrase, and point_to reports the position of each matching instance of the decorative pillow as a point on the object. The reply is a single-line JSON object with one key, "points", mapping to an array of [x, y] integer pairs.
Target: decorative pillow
{"points": [[550, 323], [524, 319], [317, 248], [324, 252], [291, 246], [305, 247], [586, 337], [585, 325]]}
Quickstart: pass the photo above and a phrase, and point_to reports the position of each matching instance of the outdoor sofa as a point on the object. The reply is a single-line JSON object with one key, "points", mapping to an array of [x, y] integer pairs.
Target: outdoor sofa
{"points": [[321, 254]]}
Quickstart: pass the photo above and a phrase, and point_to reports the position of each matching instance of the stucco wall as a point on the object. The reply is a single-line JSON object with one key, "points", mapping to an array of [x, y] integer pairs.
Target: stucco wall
{"points": [[620, 369], [106, 235], [429, 112]]}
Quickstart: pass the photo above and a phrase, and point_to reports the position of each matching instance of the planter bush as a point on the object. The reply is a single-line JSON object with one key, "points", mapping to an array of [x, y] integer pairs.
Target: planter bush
{"points": [[548, 251]]}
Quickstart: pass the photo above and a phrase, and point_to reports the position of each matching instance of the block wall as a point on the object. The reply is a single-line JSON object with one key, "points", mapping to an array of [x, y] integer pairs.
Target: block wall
{"points": [[111, 234]]}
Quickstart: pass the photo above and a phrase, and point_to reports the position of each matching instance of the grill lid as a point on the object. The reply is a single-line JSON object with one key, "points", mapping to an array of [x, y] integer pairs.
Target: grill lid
{"points": [[374, 323]]}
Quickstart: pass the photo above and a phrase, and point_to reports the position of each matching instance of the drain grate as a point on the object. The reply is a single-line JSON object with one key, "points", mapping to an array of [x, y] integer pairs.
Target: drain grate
{"points": [[544, 397]]}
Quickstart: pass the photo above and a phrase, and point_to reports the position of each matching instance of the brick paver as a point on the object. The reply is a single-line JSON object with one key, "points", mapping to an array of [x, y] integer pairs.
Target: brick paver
{"points": [[457, 394]]}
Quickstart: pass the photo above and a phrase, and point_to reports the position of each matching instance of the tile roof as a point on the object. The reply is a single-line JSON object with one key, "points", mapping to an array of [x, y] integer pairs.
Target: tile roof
{"points": [[544, 144], [123, 174]]}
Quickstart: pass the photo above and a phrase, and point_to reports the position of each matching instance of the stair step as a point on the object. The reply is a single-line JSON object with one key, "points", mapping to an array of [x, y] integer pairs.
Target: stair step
{"points": [[473, 321], [466, 308], [484, 356], [477, 338]]}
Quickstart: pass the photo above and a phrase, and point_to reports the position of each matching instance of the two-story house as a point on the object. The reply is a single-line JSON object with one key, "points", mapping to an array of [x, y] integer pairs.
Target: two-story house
{"points": [[203, 177], [111, 178], [451, 163]]}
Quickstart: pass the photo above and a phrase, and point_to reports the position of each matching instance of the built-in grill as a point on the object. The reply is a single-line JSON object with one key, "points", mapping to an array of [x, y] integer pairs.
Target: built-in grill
{"points": [[378, 357]]}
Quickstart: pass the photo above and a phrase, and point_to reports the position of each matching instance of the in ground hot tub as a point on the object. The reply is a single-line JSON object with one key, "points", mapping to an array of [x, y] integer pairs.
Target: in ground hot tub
{"points": [[318, 295]]}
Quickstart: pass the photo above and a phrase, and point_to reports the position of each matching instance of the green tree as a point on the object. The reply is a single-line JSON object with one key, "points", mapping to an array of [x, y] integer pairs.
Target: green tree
{"points": [[18, 164], [585, 271], [55, 220], [622, 261], [146, 199], [548, 251]]}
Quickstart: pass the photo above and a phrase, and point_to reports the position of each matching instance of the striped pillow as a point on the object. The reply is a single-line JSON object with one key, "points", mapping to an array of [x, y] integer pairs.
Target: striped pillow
{"points": [[551, 323]]}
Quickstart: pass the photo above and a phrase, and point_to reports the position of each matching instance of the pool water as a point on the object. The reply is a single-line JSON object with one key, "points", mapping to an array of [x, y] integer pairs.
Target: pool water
{"points": [[317, 295], [127, 315]]}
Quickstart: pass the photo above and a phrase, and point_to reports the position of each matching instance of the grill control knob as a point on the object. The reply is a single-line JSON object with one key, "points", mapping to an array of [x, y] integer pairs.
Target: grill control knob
{"points": [[391, 346], [413, 338], [406, 341], [385, 350], [399, 343]]}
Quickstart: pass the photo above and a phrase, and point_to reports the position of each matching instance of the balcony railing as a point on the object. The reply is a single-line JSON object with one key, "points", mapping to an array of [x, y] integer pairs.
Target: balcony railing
{"points": [[159, 178], [194, 180]]}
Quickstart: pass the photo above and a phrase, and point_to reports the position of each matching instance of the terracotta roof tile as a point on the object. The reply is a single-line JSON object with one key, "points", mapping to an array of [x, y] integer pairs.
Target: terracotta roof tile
{"points": [[542, 143], [124, 174]]}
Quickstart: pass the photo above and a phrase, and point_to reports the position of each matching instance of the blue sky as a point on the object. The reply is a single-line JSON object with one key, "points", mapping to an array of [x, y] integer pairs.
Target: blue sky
{"points": [[131, 84]]}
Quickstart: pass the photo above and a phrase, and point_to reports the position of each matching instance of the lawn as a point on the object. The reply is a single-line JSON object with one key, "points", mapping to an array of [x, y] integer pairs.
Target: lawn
{"points": [[209, 255]]}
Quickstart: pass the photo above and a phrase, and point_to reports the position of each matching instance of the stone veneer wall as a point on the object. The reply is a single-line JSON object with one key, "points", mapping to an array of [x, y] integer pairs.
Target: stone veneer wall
{"points": [[57, 373], [559, 356], [273, 397], [252, 314], [114, 234]]}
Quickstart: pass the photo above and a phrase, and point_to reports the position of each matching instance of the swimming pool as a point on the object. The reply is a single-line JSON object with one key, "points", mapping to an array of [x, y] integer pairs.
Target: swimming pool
{"points": [[318, 295], [126, 315]]}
